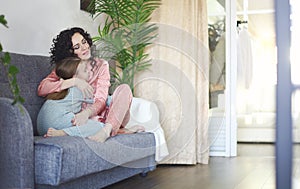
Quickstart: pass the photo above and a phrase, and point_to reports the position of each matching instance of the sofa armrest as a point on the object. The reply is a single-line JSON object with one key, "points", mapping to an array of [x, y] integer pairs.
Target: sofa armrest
{"points": [[16, 146]]}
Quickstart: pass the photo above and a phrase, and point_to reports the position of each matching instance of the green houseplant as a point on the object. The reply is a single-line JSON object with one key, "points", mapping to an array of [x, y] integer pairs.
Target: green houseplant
{"points": [[10, 69], [125, 35]]}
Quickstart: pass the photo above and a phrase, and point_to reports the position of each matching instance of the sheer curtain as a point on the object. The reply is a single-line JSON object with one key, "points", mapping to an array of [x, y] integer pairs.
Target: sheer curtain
{"points": [[178, 80]]}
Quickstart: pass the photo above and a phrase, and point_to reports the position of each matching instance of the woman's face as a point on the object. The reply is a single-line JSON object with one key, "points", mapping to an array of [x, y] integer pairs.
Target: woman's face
{"points": [[81, 47]]}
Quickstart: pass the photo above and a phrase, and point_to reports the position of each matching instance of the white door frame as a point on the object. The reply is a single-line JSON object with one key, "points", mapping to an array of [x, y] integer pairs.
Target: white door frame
{"points": [[231, 72]]}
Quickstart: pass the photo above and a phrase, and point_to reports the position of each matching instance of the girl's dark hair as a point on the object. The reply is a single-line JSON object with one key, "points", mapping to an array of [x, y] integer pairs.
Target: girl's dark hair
{"points": [[65, 69], [62, 44]]}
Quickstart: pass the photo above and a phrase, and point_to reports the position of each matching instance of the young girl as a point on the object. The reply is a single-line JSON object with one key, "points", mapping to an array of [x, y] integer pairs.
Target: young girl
{"points": [[57, 113], [75, 42]]}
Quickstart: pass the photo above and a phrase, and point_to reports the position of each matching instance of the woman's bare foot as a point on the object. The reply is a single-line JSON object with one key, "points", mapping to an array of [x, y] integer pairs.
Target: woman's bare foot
{"points": [[103, 134], [133, 129], [137, 129], [54, 132]]}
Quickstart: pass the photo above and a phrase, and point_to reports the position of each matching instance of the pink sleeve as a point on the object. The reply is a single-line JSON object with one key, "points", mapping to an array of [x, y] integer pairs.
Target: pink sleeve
{"points": [[101, 83], [50, 84]]}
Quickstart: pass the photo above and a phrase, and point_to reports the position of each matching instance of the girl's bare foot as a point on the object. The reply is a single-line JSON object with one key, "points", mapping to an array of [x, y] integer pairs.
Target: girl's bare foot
{"points": [[54, 132], [103, 134]]}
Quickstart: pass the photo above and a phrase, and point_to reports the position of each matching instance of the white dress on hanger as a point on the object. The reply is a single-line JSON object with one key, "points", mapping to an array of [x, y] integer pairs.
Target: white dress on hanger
{"points": [[244, 60], [244, 72]]}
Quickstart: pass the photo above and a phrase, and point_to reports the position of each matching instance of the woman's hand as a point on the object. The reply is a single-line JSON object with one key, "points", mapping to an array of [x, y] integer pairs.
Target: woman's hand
{"points": [[86, 89], [81, 118]]}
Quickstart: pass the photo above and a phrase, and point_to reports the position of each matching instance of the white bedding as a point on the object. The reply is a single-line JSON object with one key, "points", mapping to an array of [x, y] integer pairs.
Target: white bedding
{"points": [[145, 113]]}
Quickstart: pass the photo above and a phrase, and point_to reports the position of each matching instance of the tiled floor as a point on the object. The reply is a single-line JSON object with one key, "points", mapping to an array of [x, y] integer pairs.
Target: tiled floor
{"points": [[253, 168]]}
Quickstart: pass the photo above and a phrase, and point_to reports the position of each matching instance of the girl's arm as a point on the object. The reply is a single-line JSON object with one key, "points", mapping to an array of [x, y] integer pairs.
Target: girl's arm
{"points": [[100, 81]]}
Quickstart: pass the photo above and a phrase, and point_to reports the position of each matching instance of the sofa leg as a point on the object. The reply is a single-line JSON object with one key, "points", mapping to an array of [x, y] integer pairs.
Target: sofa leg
{"points": [[143, 174]]}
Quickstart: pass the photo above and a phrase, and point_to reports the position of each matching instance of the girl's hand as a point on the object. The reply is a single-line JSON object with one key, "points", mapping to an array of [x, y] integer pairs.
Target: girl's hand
{"points": [[86, 89], [80, 118]]}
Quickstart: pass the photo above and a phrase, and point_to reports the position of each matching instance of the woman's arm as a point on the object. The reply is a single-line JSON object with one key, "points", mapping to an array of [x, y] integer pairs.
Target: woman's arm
{"points": [[52, 83], [49, 85]]}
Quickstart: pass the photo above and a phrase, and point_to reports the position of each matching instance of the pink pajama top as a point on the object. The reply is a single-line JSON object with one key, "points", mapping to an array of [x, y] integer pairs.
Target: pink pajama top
{"points": [[99, 80]]}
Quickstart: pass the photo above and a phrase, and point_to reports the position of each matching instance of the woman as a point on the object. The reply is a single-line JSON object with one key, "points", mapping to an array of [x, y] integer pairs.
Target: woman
{"points": [[75, 42]]}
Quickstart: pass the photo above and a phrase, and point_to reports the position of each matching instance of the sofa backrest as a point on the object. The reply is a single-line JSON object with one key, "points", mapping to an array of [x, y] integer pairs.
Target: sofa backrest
{"points": [[32, 69]]}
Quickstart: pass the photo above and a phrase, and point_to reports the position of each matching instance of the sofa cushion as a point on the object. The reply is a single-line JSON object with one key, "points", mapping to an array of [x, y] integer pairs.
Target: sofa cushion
{"points": [[61, 159]]}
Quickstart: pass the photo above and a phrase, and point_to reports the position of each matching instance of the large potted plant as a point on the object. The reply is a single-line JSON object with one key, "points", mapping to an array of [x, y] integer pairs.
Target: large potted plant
{"points": [[125, 35]]}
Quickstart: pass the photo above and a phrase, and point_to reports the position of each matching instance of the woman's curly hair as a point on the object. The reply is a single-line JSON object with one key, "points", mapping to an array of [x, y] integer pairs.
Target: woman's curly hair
{"points": [[62, 44]]}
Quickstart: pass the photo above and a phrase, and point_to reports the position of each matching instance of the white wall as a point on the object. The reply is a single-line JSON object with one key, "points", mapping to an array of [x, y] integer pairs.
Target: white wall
{"points": [[34, 23]]}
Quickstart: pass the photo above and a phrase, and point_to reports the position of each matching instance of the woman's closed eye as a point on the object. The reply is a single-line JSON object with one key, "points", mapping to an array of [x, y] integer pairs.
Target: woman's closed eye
{"points": [[77, 46]]}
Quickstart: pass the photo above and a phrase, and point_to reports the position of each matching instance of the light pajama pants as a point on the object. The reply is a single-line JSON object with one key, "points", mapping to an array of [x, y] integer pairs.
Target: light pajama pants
{"points": [[119, 108]]}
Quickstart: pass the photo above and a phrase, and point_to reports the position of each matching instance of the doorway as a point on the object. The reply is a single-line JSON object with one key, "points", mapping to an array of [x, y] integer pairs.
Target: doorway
{"points": [[242, 96], [256, 71]]}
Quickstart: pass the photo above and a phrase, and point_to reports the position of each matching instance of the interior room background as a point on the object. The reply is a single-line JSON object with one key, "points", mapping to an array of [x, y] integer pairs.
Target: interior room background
{"points": [[33, 24]]}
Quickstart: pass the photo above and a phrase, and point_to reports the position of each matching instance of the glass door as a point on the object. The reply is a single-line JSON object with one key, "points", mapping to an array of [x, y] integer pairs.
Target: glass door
{"points": [[222, 121], [217, 77]]}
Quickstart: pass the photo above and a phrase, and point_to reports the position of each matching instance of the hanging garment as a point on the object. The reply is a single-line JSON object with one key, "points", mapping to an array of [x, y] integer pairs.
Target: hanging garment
{"points": [[244, 60]]}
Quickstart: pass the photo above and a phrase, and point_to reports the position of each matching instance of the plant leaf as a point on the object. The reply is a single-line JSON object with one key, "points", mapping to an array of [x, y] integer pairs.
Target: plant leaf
{"points": [[13, 70], [125, 35], [3, 21]]}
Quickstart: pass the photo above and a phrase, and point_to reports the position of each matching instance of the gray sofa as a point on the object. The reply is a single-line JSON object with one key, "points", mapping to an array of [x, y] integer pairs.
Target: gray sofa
{"points": [[30, 161]]}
